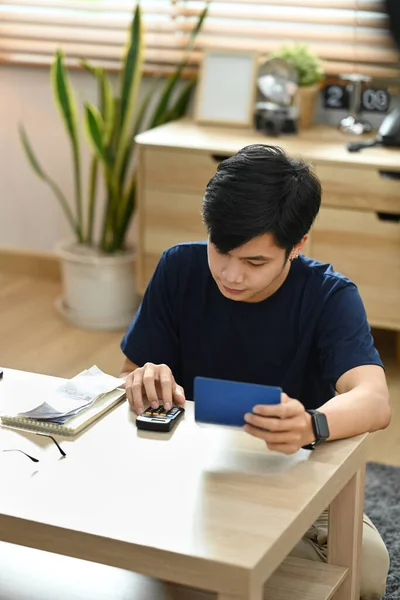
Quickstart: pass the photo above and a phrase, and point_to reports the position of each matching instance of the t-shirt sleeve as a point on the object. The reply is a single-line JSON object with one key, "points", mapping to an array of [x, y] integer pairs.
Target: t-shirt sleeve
{"points": [[153, 334], [344, 338]]}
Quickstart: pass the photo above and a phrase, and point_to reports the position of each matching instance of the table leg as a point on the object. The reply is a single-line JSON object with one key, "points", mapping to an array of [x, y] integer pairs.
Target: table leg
{"points": [[345, 535]]}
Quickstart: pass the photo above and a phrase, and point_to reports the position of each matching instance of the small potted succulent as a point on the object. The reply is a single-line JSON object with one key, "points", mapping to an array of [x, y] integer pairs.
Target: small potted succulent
{"points": [[309, 68]]}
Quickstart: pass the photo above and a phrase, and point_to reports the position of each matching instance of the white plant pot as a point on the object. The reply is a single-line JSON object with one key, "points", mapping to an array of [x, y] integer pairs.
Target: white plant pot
{"points": [[99, 290]]}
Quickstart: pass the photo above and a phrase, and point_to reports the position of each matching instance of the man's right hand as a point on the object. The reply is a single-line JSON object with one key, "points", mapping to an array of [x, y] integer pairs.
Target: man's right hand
{"points": [[154, 385]]}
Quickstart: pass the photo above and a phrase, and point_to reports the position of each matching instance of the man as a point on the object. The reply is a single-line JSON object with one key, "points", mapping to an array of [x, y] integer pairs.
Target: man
{"points": [[247, 306]]}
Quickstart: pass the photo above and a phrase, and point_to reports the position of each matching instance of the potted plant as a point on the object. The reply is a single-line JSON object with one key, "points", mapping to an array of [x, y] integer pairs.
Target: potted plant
{"points": [[310, 72], [97, 269]]}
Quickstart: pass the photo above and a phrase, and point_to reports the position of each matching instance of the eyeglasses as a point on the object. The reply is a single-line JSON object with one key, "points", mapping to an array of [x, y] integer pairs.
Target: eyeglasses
{"points": [[32, 458]]}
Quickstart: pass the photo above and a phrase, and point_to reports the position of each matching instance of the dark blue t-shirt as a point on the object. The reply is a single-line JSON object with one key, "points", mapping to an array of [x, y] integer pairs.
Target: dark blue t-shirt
{"points": [[302, 338]]}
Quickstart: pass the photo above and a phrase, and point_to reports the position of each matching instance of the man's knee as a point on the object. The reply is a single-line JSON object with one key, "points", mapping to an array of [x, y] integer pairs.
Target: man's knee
{"points": [[375, 563], [374, 555]]}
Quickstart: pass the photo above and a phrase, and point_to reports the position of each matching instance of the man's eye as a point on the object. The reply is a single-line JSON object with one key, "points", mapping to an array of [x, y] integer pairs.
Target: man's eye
{"points": [[256, 264]]}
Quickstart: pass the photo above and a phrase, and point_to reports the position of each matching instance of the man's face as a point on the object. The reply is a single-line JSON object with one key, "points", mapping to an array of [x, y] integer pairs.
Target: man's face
{"points": [[251, 272]]}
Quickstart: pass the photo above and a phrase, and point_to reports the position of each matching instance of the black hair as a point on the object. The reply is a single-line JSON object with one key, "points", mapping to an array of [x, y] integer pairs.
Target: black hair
{"points": [[260, 190]]}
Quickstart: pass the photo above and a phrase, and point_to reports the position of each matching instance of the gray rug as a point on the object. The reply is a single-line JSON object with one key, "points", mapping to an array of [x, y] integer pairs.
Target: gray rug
{"points": [[382, 505]]}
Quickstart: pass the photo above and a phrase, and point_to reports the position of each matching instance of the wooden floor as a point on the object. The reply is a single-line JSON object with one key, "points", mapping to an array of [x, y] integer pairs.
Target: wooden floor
{"points": [[33, 337]]}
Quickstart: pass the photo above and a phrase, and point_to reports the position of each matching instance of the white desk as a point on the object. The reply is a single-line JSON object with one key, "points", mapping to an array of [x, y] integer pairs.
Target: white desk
{"points": [[208, 508]]}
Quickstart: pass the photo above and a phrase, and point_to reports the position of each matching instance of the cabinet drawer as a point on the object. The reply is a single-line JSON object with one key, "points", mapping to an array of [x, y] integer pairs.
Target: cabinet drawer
{"points": [[177, 170], [367, 250], [358, 188], [170, 218]]}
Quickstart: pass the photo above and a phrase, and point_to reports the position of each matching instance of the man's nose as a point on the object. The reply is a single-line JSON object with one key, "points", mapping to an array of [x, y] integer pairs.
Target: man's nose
{"points": [[232, 273]]}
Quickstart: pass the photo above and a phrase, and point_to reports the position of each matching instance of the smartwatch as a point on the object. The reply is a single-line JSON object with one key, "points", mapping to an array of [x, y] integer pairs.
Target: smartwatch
{"points": [[320, 428]]}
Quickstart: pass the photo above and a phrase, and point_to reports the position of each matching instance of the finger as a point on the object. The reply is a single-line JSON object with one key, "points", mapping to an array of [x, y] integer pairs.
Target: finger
{"points": [[286, 437], [179, 395], [285, 410], [283, 448], [255, 432], [167, 382], [285, 398], [149, 376], [128, 390], [137, 391], [273, 423], [286, 448]]}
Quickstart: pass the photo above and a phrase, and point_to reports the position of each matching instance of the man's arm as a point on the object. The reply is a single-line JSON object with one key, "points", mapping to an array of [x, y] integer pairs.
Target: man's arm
{"points": [[362, 404]]}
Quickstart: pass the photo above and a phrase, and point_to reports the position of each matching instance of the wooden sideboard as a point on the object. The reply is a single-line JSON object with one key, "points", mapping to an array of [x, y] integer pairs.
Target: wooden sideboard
{"points": [[357, 230]]}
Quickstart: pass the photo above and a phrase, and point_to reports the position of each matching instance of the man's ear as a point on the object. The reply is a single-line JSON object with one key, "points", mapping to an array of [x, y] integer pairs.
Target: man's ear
{"points": [[298, 248]]}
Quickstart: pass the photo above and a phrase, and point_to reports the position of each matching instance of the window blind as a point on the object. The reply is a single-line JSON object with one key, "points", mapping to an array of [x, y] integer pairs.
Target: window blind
{"points": [[32, 30], [351, 36]]}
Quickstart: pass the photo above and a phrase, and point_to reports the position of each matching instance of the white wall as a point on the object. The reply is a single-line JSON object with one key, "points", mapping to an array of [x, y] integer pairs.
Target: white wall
{"points": [[30, 217]]}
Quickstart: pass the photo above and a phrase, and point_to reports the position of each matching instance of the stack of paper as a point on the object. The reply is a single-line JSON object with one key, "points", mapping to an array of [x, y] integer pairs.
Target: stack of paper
{"points": [[74, 396]]}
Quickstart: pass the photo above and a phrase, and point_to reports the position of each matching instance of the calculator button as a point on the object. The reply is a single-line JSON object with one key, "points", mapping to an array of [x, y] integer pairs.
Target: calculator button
{"points": [[148, 412], [163, 414]]}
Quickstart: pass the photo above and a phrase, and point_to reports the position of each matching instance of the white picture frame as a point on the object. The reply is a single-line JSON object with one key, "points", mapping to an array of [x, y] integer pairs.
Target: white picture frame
{"points": [[226, 88]]}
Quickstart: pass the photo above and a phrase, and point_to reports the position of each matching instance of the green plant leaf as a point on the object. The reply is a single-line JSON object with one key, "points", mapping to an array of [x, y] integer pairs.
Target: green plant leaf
{"points": [[66, 104], [92, 198], [64, 96], [108, 106], [180, 106], [308, 65], [139, 121], [89, 68], [172, 81], [94, 129], [131, 77], [30, 153], [128, 206], [50, 182]]}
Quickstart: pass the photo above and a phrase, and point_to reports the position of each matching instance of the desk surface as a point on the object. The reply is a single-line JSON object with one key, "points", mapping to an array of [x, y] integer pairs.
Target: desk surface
{"points": [[321, 144], [208, 502]]}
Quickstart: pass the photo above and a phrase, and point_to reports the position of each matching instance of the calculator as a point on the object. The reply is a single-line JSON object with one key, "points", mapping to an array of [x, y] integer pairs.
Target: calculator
{"points": [[158, 419]]}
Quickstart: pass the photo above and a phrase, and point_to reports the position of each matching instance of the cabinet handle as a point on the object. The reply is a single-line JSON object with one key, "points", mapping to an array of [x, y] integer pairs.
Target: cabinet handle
{"points": [[390, 174], [220, 157], [392, 217]]}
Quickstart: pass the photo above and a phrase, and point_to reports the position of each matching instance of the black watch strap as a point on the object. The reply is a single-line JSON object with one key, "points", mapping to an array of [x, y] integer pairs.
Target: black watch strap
{"points": [[320, 428]]}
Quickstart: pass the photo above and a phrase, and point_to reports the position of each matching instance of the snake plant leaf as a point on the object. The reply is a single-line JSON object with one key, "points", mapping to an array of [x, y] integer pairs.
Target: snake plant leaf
{"points": [[141, 114], [139, 121], [94, 129], [30, 153], [66, 105], [33, 161], [127, 206], [131, 78], [172, 81], [85, 64], [107, 105], [181, 103], [64, 97]]}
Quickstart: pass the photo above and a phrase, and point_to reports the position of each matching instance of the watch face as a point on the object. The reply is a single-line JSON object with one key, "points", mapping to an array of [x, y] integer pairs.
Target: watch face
{"points": [[321, 426]]}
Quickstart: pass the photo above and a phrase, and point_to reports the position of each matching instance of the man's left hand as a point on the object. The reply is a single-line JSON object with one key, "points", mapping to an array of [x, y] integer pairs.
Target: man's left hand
{"points": [[284, 427]]}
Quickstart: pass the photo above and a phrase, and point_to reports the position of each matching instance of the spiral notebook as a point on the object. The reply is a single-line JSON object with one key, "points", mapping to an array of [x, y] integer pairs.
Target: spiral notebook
{"points": [[72, 425]]}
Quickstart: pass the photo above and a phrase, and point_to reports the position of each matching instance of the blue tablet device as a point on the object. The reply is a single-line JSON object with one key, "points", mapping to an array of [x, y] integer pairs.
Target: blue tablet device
{"points": [[225, 402]]}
